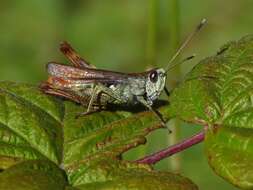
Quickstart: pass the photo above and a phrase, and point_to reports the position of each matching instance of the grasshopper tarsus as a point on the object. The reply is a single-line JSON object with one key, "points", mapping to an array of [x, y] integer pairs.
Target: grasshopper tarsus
{"points": [[165, 126], [169, 131], [86, 113]]}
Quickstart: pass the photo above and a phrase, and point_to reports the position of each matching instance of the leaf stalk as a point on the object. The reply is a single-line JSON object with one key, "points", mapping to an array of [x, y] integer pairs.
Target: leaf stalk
{"points": [[169, 151]]}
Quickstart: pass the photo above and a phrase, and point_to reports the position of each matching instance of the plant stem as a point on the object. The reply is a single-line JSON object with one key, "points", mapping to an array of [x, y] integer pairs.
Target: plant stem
{"points": [[156, 157], [174, 31], [174, 25], [151, 44], [152, 33]]}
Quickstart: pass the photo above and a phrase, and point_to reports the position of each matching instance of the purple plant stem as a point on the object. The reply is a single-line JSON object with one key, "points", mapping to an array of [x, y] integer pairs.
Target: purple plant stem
{"points": [[156, 157]]}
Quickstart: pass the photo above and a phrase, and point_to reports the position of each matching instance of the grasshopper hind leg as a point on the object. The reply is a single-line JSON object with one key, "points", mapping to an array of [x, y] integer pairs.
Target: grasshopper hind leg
{"points": [[95, 97], [88, 112], [49, 89]]}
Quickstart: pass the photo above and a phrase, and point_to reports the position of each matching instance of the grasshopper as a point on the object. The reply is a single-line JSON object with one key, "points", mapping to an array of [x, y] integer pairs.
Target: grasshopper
{"points": [[95, 88]]}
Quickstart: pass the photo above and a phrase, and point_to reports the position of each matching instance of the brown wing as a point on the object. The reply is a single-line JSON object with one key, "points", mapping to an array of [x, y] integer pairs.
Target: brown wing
{"points": [[73, 56], [85, 74]]}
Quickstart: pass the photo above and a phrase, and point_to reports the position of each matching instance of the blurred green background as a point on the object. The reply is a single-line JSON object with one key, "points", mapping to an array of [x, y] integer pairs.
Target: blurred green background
{"points": [[128, 35]]}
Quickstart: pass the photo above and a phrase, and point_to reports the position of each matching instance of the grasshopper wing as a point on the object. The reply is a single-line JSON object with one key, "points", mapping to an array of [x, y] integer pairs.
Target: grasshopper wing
{"points": [[73, 56], [85, 75]]}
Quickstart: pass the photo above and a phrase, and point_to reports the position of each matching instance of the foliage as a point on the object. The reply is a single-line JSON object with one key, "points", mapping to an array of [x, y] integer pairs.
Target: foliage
{"points": [[46, 147], [217, 93], [35, 126]]}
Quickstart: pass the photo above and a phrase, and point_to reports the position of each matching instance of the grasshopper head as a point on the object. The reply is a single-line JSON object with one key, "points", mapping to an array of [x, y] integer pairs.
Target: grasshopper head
{"points": [[155, 84]]}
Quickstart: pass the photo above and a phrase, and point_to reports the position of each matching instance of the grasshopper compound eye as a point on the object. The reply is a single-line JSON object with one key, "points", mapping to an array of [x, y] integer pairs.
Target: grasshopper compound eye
{"points": [[153, 76]]}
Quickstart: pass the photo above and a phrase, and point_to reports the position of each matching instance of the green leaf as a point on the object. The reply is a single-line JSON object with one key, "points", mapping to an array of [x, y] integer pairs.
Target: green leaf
{"points": [[125, 175], [218, 93], [30, 124], [33, 175], [100, 139], [35, 126]]}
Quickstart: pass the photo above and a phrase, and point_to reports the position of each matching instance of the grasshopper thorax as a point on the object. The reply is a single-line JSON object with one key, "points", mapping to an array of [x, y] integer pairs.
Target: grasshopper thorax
{"points": [[155, 84]]}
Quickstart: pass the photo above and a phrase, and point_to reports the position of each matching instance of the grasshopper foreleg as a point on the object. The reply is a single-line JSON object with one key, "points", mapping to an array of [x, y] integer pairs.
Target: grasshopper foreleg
{"points": [[167, 92], [156, 112]]}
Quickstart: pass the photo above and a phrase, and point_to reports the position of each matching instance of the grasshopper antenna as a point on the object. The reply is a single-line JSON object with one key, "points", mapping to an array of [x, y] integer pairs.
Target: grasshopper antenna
{"points": [[186, 42]]}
